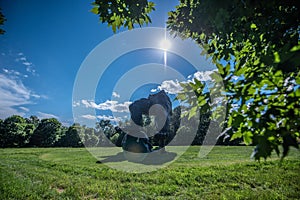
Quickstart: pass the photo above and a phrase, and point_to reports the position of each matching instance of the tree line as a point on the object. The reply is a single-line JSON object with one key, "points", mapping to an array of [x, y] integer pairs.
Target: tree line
{"points": [[17, 131]]}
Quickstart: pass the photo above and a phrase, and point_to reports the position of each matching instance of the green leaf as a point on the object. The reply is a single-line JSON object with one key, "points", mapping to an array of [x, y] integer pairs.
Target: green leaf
{"points": [[227, 69], [253, 26], [256, 62], [278, 73], [298, 79], [130, 26], [202, 36], [236, 135], [251, 91], [216, 77], [295, 48], [193, 112], [95, 10], [202, 103], [247, 136], [241, 71], [220, 68], [229, 122], [297, 92], [181, 96], [261, 37], [271, 138], [276, 57], [114, 27]]}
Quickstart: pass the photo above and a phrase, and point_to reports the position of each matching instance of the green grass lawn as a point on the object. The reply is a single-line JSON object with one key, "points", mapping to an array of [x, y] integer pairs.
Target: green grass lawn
{"points": [[226, 173]]}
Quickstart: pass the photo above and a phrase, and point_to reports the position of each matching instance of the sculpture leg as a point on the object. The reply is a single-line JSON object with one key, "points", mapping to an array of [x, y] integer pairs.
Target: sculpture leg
{"points": [[136, 141], [162, 135]]}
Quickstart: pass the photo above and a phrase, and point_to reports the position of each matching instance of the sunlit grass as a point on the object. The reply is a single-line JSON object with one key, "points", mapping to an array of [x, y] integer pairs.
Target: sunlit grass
{"points": [[226, 173]]}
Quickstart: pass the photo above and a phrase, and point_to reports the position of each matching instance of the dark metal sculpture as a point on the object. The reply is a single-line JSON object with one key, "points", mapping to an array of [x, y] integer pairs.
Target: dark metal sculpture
{"points": [[158, 105]]}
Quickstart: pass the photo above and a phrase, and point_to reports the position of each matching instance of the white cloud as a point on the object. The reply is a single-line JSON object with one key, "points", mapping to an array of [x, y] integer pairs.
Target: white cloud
{"points": [[11, 72], [9, 111], [42, 115], [102, 117], [114, 106], [170, 86], [27, 63], [91, 117], [116, 95], [88, 103], [24, 109], [174, 87], [16, 73], [76, 104], [66, 123], [111, 118], [203, 76], [30, 69], [13, 94], [37, 96]]}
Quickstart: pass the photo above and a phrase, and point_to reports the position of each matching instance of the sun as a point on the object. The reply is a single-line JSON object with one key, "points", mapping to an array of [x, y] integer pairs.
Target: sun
{"points": [[165, 44]]}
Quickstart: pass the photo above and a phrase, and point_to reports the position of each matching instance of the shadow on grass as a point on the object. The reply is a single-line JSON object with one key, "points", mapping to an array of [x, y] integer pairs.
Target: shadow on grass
{"points": [[153, 158]]}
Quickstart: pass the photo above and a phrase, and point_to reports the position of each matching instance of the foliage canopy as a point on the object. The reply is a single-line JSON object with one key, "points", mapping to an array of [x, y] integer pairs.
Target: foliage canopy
{"points": [[125, 13]]}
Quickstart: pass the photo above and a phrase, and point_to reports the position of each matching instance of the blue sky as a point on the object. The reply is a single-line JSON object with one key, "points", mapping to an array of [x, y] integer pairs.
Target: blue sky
{"points": [[44, 47]]}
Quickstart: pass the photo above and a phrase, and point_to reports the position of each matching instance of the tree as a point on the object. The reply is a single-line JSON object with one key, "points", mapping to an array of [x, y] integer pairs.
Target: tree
{"points": [[125, 13], [117, 139], [90, 139], [13, 132], [255, 46], [47, 133], [175, 120], [104, 128], [72, 137], [33, 120], [32, 123]]}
